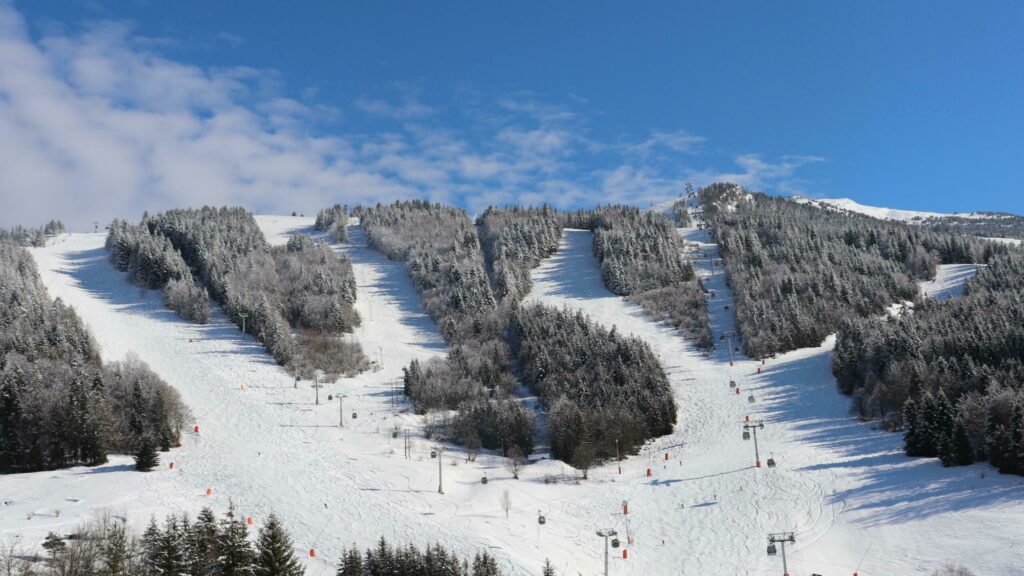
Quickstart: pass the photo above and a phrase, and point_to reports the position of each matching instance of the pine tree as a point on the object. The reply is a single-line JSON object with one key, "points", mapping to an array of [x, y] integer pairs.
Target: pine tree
{"points": [[351, 563], [115, 553], [146, 458], [960, 443], [274, 553], [549, 569], [54, 545], [912, 432], [235, 550], [204, 544], [171, 550], [484, 565], [151, 540]]}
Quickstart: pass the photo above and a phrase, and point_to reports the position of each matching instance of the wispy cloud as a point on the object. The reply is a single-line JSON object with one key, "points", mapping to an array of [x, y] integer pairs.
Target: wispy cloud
{"points": [[100, 124], [407, 109], [679, 141]]}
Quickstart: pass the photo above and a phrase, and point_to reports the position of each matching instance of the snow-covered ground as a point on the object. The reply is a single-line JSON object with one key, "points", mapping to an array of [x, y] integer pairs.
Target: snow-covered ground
{"points": [[853, 499], [877, 211], [1010, 241], [277, 229], [949, 281]]}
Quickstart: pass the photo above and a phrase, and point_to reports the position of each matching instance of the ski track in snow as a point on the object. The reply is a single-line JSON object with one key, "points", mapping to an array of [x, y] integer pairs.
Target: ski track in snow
{"points": [[844, 488]]}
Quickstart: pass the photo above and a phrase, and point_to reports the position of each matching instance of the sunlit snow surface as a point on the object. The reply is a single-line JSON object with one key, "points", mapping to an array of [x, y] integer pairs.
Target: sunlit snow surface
{"points": [[845, 489]]}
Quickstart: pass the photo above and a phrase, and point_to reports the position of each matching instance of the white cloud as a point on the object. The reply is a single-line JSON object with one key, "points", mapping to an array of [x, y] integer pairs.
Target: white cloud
{"points": [[679, 141], [99, 125], [409, 108], [758, 174], [93, 127]]}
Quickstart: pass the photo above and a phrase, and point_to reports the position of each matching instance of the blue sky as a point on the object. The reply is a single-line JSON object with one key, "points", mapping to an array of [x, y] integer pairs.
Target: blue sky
{"points": [[126, 106]]}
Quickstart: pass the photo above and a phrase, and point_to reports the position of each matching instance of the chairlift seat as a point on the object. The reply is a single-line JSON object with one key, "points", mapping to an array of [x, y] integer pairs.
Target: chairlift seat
{"points": [[615, 542], [771, 462], [751, 399], [771, 550], [542, 520], [732, 383], [746, 435], [433, 453]]}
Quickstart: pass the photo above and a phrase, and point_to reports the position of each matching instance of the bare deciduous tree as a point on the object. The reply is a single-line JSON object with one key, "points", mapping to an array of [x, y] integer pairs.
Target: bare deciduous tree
{"points": [[514, 461], [506, 502]]}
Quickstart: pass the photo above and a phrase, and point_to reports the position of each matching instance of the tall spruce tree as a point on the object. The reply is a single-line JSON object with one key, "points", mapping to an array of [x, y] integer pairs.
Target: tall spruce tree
{"points": [[274, 551], [236, 555], [146, 458]]}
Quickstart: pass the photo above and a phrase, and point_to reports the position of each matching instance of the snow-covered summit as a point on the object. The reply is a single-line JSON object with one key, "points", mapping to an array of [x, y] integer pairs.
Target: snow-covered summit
{"points": [[912, 216]]}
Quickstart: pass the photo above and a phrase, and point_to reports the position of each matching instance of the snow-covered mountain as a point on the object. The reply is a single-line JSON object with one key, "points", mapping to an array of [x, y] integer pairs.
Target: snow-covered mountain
{"points": [[995, 225]]}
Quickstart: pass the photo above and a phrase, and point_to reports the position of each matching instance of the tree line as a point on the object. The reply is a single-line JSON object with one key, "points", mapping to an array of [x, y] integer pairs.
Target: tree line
{"points": [[515, 240], [681, 214], [210, 546], [22, 236], [59, 404], [604, 392], [984, 224], [267, 292], [442, 254], [641, 256], [151, 261], [947, 373], [797, 271], [333, 220]]}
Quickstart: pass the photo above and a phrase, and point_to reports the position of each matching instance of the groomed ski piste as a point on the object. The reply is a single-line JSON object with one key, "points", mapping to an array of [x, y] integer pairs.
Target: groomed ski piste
{"points": [[854, 502]]}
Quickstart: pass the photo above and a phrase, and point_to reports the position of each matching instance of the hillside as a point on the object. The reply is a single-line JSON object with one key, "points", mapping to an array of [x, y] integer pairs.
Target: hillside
{"points": [[847, 490]]}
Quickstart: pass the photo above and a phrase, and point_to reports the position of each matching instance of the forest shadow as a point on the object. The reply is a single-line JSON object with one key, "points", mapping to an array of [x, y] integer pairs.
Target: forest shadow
{"points": [[96, 276], [894, 488], [571, 270], [395, 285]]}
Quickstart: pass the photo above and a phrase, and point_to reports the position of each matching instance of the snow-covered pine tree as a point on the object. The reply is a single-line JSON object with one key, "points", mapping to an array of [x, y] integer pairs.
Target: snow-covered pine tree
{"points": [[274, 551], [236, 555], [146, 458]]}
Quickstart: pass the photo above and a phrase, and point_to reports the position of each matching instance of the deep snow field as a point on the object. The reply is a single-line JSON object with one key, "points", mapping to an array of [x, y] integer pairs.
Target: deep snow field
{"points": [[853, 500]]}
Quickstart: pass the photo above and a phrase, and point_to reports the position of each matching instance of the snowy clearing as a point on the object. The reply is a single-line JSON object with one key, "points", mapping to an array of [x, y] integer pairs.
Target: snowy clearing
{"points": [[949, 281]]}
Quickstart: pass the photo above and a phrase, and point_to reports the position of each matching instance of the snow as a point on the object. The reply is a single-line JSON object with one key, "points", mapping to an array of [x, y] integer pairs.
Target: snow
{"points": [[843, 487], [277, 229], [1010, 241], [949, 281], [874, 211]]}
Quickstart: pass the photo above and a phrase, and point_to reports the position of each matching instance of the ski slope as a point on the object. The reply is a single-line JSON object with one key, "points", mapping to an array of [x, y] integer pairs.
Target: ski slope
{"points": [[845, 489], [949, 281]]}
